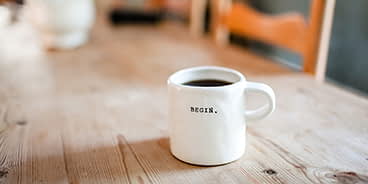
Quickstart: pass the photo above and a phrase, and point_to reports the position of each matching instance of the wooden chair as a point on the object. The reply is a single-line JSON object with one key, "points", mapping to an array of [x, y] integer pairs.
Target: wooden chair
{"points": [[291, 30]]}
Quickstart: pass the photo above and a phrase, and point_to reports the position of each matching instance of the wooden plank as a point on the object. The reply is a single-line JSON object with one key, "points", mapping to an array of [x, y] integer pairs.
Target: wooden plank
{"points": [[325, 40], [287, 30], [291, 30]]}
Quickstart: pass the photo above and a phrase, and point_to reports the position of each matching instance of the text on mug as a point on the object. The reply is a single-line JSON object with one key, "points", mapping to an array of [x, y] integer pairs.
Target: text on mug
{"points": [[202, 110]]}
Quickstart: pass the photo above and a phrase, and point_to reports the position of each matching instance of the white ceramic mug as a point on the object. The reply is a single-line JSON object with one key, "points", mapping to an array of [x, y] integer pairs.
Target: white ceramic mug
{"points": [[64, 24], [208, 124]]}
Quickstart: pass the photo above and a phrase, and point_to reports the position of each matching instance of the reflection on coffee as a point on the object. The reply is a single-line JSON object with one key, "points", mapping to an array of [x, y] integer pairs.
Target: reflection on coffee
{"points": [[207, 83]]}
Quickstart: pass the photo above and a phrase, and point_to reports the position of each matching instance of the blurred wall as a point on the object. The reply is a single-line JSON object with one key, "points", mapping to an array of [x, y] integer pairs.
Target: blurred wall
{"points": [[348, 54]]}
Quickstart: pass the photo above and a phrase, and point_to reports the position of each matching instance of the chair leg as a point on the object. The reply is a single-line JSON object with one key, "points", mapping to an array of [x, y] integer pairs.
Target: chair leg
{"points": [[325, 40], [197, 13], [220, 32]]}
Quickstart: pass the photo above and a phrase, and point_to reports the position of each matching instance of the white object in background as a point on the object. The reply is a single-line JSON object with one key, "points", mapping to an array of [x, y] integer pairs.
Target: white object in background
{"points": [[4, 16], [208, 124], [63, 24]]}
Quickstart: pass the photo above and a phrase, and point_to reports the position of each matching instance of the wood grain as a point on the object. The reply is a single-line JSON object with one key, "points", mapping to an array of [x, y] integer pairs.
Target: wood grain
{"points": [[98, 114]]}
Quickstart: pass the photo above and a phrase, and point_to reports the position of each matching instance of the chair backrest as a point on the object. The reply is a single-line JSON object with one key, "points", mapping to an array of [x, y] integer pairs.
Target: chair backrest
{"points": [[291, 30]]}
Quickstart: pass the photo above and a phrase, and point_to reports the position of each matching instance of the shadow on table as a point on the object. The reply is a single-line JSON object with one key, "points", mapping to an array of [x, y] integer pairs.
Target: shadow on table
{"points": [[134, 162]]}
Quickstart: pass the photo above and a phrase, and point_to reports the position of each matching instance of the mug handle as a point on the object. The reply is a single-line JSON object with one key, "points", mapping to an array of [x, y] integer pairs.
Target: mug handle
{"points": [[265, 110]]}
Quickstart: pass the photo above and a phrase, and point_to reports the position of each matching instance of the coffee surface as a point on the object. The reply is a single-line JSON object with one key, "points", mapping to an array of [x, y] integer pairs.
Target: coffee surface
{"points": [[207, 83]]}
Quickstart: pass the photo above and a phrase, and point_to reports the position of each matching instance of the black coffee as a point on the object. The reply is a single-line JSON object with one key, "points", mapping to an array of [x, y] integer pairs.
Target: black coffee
{"points": [[207, 83]]}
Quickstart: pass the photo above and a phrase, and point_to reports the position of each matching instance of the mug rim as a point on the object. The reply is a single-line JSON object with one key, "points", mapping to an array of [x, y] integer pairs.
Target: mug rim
{"points": [[240, 76]]}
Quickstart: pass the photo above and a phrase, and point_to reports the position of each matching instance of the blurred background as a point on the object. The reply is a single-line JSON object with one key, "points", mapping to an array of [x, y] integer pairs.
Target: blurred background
{"points": [[346, 61]]}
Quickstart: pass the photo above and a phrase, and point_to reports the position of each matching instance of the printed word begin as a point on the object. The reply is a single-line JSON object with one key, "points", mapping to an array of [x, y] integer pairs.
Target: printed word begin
{"points": [[202, 110]]}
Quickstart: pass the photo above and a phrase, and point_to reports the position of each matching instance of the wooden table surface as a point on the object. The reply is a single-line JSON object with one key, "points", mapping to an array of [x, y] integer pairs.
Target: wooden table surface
{"points": [[98, 114]]}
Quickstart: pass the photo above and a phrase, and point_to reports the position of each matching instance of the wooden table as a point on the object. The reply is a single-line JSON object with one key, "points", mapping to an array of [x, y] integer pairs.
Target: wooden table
{"points": [[98, 114]]}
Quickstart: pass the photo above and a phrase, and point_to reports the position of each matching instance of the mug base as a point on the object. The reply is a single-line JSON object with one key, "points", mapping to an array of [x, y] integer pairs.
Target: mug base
{"points": [[203, 164]]}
